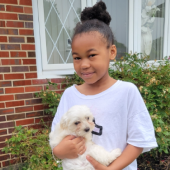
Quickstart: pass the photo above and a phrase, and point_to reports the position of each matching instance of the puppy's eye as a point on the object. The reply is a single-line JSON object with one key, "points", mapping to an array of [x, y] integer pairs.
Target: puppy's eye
{"points": [[76, 123], [87, 118]]}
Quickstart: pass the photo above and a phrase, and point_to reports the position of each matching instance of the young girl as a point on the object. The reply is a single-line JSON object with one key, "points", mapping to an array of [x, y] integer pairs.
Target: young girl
{"points": [[116, 105]]}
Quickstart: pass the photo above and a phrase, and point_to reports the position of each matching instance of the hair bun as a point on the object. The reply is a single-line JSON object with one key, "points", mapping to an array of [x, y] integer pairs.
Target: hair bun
{"points": [[98, 11]]}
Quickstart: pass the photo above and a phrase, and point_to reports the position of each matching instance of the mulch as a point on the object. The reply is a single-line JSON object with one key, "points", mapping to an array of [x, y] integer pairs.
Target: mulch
{"points": [[148, 162]]}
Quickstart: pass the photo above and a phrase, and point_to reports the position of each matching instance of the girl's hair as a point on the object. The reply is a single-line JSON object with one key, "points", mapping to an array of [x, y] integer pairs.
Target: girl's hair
{"points": [[95, 18]]}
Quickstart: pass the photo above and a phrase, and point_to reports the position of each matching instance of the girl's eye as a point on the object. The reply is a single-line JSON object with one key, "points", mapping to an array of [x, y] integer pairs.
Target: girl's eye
{"points": [[77, 58], [92, 55], [76, 123]]}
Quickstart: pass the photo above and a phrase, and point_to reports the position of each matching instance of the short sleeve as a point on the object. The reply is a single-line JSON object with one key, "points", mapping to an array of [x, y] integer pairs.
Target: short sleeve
{"points": [[140, 127], [62, 108]]}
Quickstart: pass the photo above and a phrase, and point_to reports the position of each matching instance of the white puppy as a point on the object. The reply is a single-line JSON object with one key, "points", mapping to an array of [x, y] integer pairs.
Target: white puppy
{"points": [[78, 121]]}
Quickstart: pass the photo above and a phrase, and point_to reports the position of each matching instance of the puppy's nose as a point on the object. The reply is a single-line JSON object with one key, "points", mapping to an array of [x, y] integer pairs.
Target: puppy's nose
{"points": [[87, 129]]}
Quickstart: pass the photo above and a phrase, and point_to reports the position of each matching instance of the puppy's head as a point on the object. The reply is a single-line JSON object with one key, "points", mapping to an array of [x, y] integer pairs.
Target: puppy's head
{"points": [[78, 120]]}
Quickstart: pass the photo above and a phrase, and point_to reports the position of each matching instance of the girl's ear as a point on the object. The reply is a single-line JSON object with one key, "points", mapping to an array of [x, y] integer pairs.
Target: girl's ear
{"points": [[113, 52]]}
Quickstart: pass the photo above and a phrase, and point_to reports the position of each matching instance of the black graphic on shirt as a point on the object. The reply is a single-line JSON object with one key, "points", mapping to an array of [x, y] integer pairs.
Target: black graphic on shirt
{"points": [[99, 127]]}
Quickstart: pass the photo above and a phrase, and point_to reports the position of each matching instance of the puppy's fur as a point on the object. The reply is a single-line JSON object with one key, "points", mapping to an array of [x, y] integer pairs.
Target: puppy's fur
{"points": [[78, 121]]}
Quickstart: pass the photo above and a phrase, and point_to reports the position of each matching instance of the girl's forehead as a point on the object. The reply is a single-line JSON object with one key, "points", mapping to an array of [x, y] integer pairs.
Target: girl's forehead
{"points": [[89, 37]]}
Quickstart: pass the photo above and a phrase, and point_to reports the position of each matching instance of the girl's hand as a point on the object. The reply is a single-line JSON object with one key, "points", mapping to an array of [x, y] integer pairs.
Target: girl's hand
{"points": [[96, 165], [70, 147]]}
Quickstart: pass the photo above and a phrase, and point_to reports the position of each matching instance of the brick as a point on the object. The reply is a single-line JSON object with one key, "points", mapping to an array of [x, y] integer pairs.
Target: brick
{"points": [[9, 1], [28, 46], [40, 81], [4, 54], [2, 145], [22, 83], [28, 10], [5, 83], [2, 23], [45, 119], [2, 118], [18, 54], [16, 39], [3, 39], [4, 157], [7, 124], [1, 91], [33, 68], [34, 114], [6, 97], [26, 2], [8, 31], [31, 54], [13, 76], [24, 122], [30, 75], [10, 46], [26, 32], [29, 61], [11, 8], [11, 130], [15, 24], [3, 132], [23, 96], [28, 24], [25, 17], [23, 109], [4, 69], [53, 87], [33, 101], [30, 40], [3, 138], [8, 16], [14, 103], [2, 105], [1, 77], [10, 162], [14, 90], [39, 107], [6, 111], [20, 69], [2, 8], [33, 88], [15, 116], [11, 61], [58, 80]]}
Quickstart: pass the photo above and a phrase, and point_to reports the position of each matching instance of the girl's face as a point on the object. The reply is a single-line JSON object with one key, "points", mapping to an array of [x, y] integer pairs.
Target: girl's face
{"points": [[91, 57]]}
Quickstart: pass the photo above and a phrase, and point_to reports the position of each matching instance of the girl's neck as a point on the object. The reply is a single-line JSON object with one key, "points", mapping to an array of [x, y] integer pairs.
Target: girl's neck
{"points": [[96, 88]]}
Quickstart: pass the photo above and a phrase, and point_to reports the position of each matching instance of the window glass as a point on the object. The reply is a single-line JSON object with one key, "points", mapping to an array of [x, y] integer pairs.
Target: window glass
{"points": [[152, 28], [119, 11], [60, 19]]}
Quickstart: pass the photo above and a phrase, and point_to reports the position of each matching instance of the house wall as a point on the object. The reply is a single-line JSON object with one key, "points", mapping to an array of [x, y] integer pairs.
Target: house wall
{"points": [[18, 73]]}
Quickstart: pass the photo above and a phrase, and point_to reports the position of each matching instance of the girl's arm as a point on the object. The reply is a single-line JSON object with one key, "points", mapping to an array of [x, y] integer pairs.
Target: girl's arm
{"points": [[70, 147], [128, 156]]}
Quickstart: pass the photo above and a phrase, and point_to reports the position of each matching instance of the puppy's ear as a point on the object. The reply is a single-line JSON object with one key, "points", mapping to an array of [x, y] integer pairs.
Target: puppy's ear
{"points": [[63, 122]]}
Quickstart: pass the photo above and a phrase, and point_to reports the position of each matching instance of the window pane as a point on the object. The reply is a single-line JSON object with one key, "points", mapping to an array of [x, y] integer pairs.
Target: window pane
{"points": [[60, 19], [119, 11], [152, 28]]}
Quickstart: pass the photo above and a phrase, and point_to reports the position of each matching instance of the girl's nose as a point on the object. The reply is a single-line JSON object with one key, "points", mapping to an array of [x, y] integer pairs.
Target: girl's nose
{"points": [[85, 64]]}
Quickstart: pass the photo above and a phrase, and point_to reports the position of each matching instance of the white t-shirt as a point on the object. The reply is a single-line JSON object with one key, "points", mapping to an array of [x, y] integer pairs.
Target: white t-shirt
{"points": [[120, 111]]}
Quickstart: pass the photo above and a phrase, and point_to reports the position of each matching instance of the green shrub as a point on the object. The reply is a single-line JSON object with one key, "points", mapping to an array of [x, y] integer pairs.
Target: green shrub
{"points": [[31, 147], [153, 81], [50, 98]]}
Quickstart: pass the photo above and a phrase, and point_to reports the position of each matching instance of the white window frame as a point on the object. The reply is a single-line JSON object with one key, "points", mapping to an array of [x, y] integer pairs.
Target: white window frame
{"points": [[45, 70]]}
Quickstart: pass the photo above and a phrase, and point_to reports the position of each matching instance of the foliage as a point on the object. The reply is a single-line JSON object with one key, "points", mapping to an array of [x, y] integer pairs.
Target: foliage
{"points": [[32, 147], [153, 81], [50, 98]]}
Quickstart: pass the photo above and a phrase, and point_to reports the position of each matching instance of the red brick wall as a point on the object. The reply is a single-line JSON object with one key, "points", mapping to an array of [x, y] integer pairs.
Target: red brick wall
{"points": [[18, 76]]}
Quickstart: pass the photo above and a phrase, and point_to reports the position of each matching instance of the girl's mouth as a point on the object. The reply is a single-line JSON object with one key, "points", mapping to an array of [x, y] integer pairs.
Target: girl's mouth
{"points": [[87, 75]]}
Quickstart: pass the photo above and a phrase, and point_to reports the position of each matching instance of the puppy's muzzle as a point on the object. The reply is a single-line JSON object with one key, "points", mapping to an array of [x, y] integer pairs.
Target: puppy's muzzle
{"points": [[87, 129]]}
